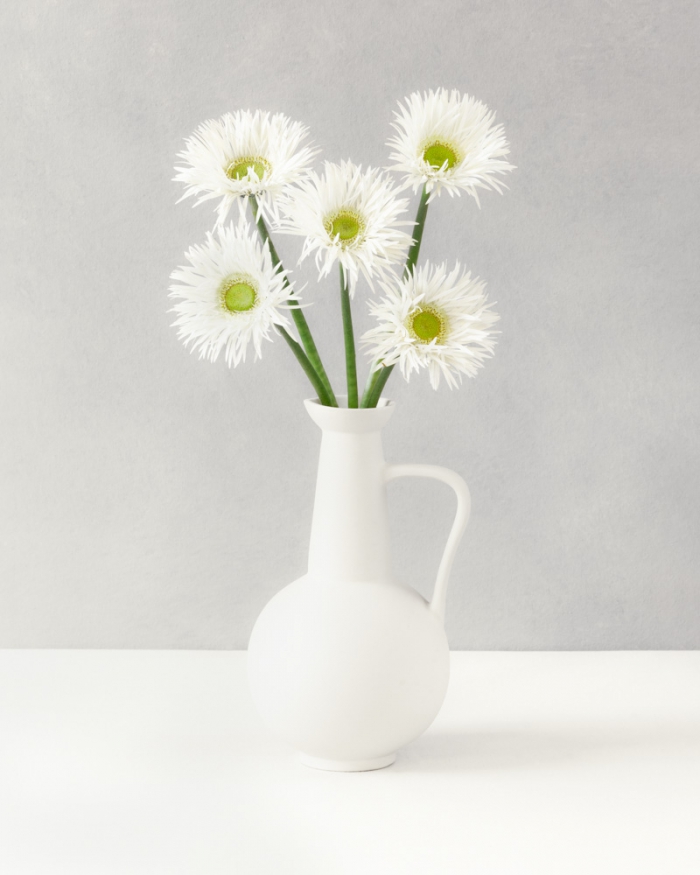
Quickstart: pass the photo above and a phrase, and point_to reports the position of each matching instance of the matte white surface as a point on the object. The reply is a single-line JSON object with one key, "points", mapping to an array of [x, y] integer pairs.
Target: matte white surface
{"points": [[150, 499], [154, 763], [349, 705]]}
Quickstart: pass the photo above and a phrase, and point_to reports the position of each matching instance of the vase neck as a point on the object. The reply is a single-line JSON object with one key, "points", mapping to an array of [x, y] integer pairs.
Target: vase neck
{"points": [[350, 530]]}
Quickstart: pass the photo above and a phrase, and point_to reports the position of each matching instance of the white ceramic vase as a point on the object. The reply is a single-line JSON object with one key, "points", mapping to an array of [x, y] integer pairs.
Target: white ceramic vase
{"points": [[346, 664]]}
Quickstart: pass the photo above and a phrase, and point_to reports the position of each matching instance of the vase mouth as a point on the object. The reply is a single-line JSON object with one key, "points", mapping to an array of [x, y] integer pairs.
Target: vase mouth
{"points": [[351, 421]]}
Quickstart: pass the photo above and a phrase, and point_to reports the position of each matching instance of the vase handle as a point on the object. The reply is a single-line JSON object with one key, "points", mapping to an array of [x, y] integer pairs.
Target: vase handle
{"points": [[436, 472]]}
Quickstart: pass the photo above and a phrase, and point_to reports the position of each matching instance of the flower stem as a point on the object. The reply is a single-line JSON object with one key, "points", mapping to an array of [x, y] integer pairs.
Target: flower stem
{"points": [[421, 215], [378, 379], [371, 377], [376, 385], [374, 376], [302, 325], [303, 360], [350, 360]]}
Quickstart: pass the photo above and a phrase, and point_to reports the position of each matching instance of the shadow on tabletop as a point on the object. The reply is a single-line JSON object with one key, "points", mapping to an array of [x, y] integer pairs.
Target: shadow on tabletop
{"points": [[508, 749]]}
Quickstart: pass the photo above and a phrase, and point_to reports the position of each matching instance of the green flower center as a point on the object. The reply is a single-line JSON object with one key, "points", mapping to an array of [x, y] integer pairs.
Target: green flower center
{"points": [[345, 225], [237, 294], [239, 169], [427, 325], [436, 154]]}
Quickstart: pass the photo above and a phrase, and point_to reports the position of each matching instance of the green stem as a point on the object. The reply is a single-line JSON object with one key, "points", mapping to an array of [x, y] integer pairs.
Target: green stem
{"points": [[303, 360], [350, 359], [376, 386], [374, 375], [371, 377], [378, 378], [412, 258], [297, 314]]}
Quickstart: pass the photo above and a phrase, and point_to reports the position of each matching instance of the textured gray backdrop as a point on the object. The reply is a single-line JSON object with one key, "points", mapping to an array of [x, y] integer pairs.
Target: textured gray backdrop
{"points": [[153, 500]]}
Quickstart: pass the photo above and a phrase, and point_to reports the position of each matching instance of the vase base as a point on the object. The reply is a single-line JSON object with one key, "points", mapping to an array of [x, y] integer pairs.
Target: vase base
{"points": [[347, 765]]}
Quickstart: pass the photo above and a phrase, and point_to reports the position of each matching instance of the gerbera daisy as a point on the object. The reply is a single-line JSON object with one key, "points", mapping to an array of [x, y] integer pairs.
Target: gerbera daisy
{"points": [[242, 154], [433, 320], [348, 215], [447, 140], [229, 295]]}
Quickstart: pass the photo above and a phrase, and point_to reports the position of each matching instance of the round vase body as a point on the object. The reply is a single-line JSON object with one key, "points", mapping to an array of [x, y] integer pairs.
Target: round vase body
{"points": [[348, 671]]}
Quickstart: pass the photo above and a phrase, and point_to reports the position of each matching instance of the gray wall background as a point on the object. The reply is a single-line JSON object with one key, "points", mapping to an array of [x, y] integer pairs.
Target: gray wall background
{"points": [[153, 500]]}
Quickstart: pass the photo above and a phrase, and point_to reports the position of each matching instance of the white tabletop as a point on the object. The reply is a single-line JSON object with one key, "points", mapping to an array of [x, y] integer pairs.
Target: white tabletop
{"points": [[154, 762]]}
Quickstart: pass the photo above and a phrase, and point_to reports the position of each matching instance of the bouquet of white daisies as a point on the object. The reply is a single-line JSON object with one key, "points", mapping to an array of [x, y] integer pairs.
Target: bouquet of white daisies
{"points": [[235, 291]]}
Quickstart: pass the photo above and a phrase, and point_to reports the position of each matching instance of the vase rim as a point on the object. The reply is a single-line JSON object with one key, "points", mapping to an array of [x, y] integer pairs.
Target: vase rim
{"points": [[352, 421]]}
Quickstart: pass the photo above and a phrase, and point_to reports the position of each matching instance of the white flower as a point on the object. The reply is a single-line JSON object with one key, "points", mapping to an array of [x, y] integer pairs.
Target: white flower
{"points": [[229, 295], [447, 140], [433, 320], [243, 154], [350, 216]]}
